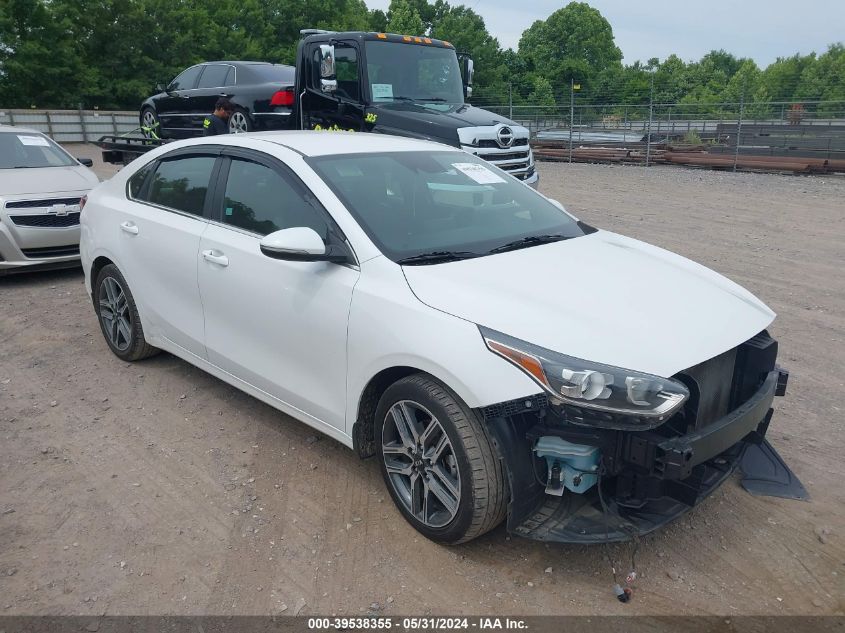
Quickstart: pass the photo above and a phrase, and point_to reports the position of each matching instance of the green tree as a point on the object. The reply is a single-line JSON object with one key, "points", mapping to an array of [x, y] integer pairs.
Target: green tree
{"points": [[542, 96], [573, 43], [465, 29], [403, 18]]}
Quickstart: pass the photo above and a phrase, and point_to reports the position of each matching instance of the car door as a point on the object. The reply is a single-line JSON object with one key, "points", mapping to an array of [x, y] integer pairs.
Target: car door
{"points": [[342, 108], [160, 239], [216, 81], [277, 325], [173, 106]]}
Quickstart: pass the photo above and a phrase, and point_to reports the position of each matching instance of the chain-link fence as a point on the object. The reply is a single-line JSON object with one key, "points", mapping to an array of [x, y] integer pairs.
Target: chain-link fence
{"points": [[805, 136]]}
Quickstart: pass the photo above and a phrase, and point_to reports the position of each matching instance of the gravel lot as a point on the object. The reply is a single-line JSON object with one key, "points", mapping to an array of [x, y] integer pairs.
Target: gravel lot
{"points": [[154, 488]]}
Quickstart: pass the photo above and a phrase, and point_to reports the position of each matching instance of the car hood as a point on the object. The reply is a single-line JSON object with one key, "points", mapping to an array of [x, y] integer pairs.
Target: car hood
{"points": [[437, 122], [601, 297], [45, 180]]}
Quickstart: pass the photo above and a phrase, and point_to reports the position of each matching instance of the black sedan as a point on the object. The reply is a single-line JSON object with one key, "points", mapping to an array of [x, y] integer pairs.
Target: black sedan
{"points": [[262, 94]]}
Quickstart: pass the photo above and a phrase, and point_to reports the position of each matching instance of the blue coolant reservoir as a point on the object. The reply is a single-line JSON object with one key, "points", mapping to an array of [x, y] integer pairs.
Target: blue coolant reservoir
{"points": [[571, 466]]}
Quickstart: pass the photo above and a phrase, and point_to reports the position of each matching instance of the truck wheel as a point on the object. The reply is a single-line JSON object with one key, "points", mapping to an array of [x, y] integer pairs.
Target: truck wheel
{"points": [[118, 316], [240, 122], [150, 124], [438, 461]]}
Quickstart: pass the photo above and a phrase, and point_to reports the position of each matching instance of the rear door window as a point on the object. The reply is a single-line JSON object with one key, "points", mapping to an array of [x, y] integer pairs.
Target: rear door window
{"points": [[182, 183], [214, 76]]}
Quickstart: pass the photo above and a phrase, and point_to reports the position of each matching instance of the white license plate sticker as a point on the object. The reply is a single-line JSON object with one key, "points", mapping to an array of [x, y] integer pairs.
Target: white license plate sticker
{"points": [[33, 140], [478, 173]]}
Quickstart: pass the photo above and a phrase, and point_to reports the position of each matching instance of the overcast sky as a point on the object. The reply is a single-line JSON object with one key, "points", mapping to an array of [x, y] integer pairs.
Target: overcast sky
{"points": [[760, 29]]}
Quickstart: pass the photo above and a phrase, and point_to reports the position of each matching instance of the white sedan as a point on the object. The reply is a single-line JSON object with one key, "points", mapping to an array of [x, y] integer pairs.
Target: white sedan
{"points": [[499, 357]]}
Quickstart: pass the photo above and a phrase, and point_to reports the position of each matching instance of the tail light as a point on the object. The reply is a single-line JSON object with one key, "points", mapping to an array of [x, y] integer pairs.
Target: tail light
{"points": [[82, 202], [282, 98]]}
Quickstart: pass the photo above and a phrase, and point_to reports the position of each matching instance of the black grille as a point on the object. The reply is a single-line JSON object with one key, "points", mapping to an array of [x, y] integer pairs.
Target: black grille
{"points": [[510, 156], [512, 407], [51, 251], [493, 143], [29, 204], [47, 221]]}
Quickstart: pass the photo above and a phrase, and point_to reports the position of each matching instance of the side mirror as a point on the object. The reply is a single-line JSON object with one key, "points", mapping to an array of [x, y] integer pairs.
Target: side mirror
{"points": [[160, 87], [88, 162], [328, 72], [299, 244], [467, 72], [556, 203]]}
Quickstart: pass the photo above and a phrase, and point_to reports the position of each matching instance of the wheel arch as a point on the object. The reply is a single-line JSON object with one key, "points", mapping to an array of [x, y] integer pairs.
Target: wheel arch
{"points": [[363, 440]]}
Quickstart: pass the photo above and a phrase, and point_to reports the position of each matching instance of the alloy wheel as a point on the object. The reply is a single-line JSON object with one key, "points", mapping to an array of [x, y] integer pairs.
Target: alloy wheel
{"points": [[238, 123], [115, 314], [149, 123], [421, 463]]}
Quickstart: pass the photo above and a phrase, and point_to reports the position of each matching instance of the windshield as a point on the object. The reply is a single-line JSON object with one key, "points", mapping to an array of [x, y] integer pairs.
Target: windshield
{"points": [[417, 203], [30, 149], [402, 72]]}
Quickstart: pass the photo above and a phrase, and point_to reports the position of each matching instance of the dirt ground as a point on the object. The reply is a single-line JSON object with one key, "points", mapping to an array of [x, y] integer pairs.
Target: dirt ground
{"points": [[153, 488]]}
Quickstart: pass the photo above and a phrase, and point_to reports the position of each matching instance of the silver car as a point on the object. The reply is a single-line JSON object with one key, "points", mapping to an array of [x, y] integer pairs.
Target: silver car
{"points": [[40, 189]]}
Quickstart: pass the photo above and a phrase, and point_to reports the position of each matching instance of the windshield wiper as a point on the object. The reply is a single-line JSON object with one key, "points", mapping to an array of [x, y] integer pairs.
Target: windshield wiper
{"points": [[531, 240], [437, 257], [403, 98]]}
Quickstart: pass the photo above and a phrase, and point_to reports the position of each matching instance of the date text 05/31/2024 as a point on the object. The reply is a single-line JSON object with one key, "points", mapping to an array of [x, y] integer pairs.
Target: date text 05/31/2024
{"points": [[416, 624]]}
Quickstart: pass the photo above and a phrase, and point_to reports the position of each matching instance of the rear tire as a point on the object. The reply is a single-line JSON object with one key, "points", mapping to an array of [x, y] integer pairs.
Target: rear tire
{"points": [[118, 316], [240, 122], [438, 461]]}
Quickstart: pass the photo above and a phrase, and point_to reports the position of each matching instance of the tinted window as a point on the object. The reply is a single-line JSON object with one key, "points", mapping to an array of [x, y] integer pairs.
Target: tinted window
{"points": [[267, 72], [260, 200], [136, 182], [187, 79], [346, 67], [411, 203], [181, 183], [214, 76], [31, 149]]}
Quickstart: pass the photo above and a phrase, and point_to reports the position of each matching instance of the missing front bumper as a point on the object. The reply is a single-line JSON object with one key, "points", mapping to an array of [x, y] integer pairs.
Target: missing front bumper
{"points": [[657, 481]]}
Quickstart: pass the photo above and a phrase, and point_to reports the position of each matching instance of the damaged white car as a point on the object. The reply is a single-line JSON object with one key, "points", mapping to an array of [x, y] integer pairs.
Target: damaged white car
{"points": [[499, 358]]}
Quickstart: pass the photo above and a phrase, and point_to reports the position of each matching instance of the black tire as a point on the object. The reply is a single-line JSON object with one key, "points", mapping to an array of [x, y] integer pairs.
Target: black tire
{"points": [[240, 122], [147, 116], [129, 343], [482, 501]]}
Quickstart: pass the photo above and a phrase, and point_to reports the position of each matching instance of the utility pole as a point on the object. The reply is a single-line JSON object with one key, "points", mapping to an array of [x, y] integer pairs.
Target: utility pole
{"points": [[571, 113], [739, 125], [510, 101], [650, 118]]}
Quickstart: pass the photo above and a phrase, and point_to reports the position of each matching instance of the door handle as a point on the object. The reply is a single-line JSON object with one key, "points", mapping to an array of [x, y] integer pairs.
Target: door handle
{"points": [[129, 227], [220, 260]]}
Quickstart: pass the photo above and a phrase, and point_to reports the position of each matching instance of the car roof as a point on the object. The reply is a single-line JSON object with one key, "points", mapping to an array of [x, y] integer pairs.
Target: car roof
{"points": [[19, 130], [322, 143]]}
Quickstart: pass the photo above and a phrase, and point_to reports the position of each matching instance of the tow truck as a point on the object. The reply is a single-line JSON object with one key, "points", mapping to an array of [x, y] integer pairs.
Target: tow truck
{"points": [[383, 83]]}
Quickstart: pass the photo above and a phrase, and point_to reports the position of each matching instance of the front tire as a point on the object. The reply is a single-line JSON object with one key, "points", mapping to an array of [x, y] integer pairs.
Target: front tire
{"points": [[150, 124], [118, 316], [438, 461], [240, 122]]}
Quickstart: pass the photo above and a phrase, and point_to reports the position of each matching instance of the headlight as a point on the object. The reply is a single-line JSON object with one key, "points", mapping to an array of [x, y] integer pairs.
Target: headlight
{"points": [[591, 385]]}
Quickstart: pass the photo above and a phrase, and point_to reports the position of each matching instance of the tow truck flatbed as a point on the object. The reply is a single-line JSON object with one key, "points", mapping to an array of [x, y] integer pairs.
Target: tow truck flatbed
{"points": [[121, 150]]}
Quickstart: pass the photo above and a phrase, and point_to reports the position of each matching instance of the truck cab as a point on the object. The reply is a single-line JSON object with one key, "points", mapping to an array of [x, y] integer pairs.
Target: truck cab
{"points": [[403, 85]]}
